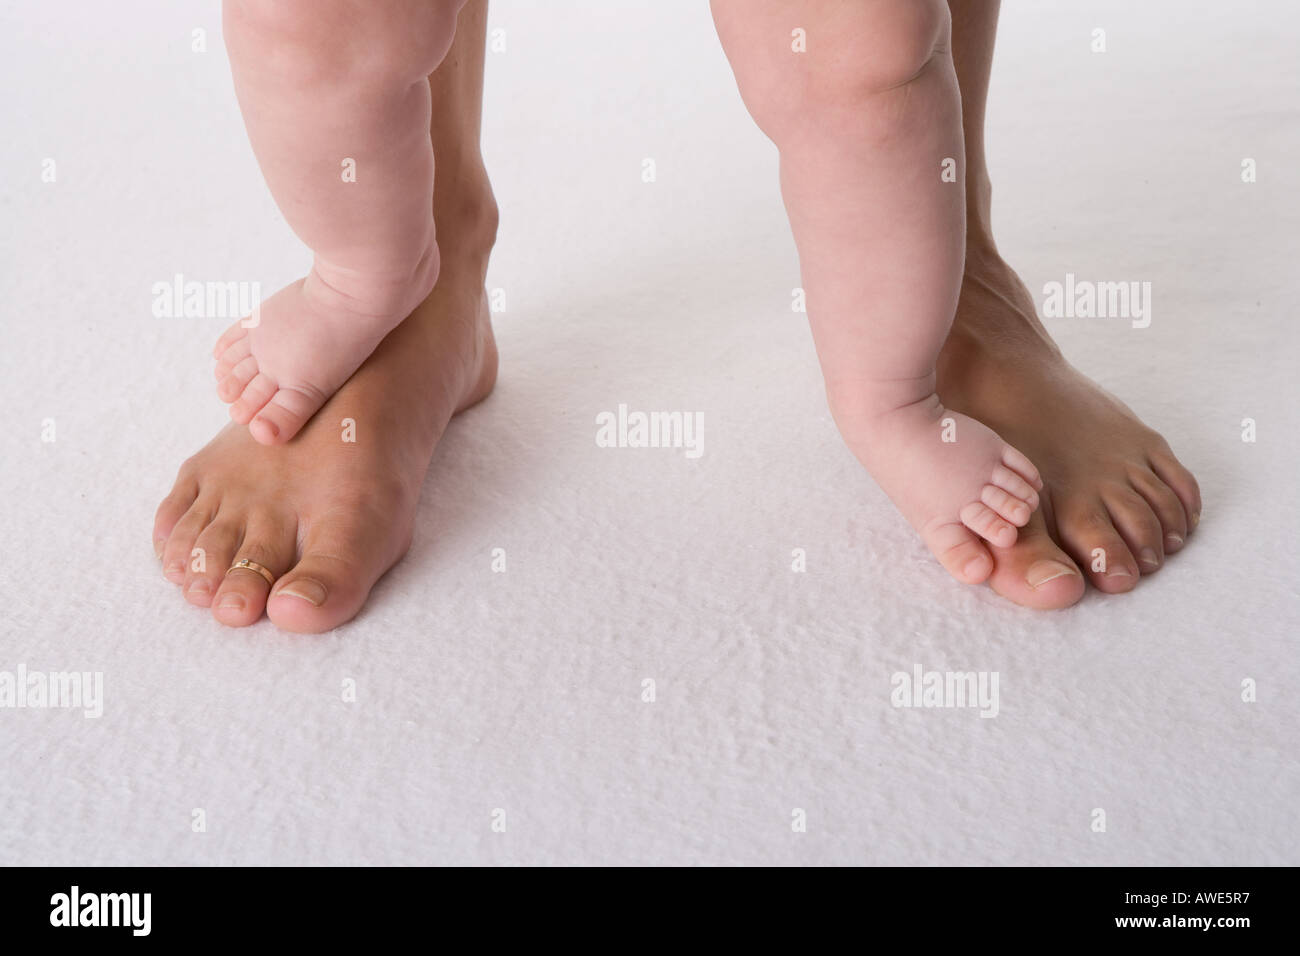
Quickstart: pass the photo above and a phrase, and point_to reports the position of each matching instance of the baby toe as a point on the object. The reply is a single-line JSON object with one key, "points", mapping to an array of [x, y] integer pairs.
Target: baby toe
{"points": [[228, 338], [986, 523], [237, 379], [960, 552], [1006, 505], [256, 394], [232, 357], [284, 415], [1014, 485], [1019, 463]]}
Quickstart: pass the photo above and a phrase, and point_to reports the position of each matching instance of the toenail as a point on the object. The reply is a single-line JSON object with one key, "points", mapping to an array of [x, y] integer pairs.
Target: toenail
{"points": [[1174, 540], [1196, 518], [305, 588], [1043, 571], [198, 586], [1148, 556], [1119, 572], [176, 567], [232, 600], [158, 547]]}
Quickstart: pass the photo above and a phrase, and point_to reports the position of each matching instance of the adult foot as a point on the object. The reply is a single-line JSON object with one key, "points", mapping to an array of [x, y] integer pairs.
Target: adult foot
{"points": [[278, 367], [1115, 502], [326, 516]]}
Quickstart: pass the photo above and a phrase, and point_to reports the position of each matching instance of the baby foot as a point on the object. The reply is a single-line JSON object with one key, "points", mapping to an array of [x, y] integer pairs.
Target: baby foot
{"points": [[277, 367], [954, 480]]}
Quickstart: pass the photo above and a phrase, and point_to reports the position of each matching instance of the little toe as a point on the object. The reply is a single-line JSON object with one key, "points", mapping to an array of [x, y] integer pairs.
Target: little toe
{"points": [[284, 415], [986, 523], [1137, 524], [1021, 464], [232, 356], [1167, 506], [233, 385], [960, 552], [212, 553], [241, 596], [229, 337], [256, 394], [1088, 533], [1011, 482], [180, 544], [1169, 470], [1035, 572], [172, 508]]}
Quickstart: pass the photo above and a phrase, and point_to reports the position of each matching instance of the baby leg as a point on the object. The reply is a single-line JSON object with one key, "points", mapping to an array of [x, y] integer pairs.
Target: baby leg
{"points": [[862, 102], [335, 97]]}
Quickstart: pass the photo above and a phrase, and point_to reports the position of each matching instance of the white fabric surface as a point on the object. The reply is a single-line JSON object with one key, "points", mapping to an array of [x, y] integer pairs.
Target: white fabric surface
{"points": [[522, 690]]}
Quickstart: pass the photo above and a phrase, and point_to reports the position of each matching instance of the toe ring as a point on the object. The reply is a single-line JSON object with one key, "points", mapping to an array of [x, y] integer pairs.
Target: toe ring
{"points": [[243, 564]]}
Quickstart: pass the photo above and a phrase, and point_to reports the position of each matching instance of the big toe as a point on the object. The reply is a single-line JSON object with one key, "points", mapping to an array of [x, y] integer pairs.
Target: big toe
{"points": [[340, 564], [284, 414], [1034, 572], [959, 551]]}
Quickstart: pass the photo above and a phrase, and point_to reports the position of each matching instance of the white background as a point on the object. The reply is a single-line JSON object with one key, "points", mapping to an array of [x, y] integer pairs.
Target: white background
{"points": [[522, 691]]}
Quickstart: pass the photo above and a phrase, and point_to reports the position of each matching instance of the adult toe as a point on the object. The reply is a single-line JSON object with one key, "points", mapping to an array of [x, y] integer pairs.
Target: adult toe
{"points": [[1181, 481], [178, 551], [1166, 505], [1034, 572], [1137, 524], [212, 554], [343, 555], [1086, 531], [269, 542], [172, 508]]}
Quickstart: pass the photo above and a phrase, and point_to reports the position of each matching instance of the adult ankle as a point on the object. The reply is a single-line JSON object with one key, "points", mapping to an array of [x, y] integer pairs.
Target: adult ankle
{"points": [[467, 216]]}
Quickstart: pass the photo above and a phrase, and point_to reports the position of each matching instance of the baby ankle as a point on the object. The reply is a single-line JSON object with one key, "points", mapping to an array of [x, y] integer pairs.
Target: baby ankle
{"points": [[381, 296]]}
